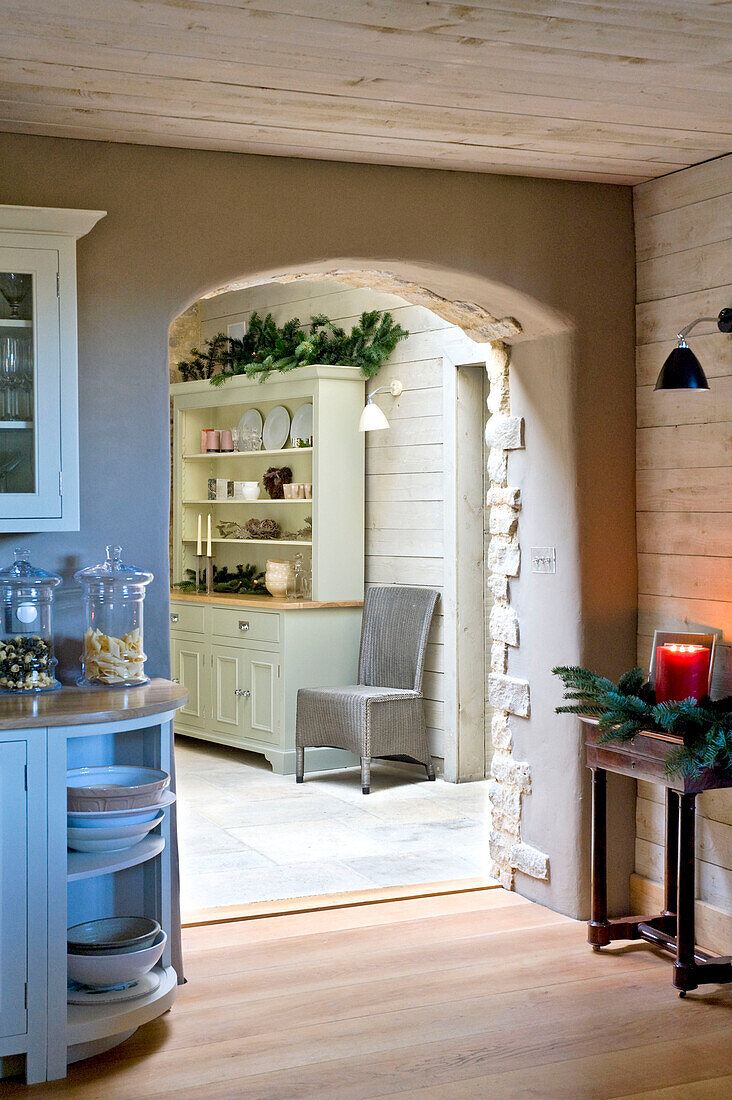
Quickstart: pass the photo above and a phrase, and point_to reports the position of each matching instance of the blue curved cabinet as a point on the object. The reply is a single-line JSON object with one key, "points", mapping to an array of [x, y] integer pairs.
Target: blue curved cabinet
{"points": [[44, 888]]}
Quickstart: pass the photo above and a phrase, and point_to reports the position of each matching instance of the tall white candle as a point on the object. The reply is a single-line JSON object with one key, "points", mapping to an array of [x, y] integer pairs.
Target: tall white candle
{"points": [[208, 537], [199, 549]]}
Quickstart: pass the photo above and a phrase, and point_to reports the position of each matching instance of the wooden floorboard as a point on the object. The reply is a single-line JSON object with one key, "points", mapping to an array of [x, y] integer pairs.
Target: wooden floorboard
{"points": [[224, 914], [452, 996]]}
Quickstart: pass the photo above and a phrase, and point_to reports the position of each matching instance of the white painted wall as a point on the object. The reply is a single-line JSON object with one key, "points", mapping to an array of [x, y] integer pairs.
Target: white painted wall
{"points": [[405, 469]]}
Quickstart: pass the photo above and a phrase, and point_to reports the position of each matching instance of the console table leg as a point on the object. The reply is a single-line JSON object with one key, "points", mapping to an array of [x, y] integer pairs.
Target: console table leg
{"points": [[597, 929], [684, 967], [670, 878]]}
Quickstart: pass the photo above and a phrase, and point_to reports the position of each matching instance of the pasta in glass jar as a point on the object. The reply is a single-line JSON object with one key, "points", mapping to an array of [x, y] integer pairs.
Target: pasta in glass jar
{"points": [[113, 653]]}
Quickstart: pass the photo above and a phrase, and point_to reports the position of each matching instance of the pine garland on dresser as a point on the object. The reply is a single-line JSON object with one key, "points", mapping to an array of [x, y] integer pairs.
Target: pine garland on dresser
{"points": [[266, 347]]}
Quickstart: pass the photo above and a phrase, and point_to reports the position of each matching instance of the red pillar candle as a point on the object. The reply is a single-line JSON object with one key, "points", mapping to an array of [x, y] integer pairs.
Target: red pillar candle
{"points": [[682, 672]]}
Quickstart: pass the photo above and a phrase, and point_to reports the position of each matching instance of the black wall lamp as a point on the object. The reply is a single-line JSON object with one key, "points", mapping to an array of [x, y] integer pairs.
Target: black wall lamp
{"points": [[682, 370]]}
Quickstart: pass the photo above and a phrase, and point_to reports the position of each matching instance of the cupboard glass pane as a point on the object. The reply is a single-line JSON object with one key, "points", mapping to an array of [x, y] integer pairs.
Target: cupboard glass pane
{"points": [[17, 383]]}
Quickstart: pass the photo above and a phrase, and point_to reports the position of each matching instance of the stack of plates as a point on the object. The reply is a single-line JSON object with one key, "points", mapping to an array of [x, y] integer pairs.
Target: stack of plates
{"points": [[113, 955], [114, 807]]}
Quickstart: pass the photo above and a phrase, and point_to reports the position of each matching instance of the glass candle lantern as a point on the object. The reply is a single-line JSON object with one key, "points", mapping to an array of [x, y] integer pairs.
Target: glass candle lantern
{"points": [[27, 662], [114, 594]]}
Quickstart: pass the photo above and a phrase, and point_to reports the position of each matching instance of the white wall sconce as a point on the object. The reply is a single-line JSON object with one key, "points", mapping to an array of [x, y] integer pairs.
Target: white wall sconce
{"points": [[372, 417], [682, 370]]}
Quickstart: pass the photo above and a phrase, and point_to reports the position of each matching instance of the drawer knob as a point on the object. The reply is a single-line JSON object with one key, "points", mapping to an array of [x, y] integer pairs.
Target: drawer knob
{"points": [[243, 624], [175, 681], [242, 692], [174, 618]]}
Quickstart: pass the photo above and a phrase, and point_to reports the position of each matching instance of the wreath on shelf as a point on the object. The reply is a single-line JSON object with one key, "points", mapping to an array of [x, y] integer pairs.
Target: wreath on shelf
{"points": [[629, 707], [250, 529], [267, 347], [264, 529]]}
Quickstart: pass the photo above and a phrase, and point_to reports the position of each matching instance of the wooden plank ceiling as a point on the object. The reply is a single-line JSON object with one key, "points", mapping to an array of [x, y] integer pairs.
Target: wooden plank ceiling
{"points": [[619, 91]]}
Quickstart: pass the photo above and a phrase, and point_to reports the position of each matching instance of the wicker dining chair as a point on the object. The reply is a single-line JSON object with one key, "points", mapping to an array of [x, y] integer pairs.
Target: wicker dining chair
{"points": [[381, 717]]}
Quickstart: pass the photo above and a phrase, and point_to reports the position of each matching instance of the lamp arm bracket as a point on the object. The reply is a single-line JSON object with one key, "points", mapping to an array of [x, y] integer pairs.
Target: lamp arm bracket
{"points": [[687, 329], [394, 388], [723, 323]]}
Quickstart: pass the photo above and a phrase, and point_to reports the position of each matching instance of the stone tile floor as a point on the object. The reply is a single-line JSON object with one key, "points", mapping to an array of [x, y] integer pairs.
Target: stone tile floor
{"points": [[249, 835]]}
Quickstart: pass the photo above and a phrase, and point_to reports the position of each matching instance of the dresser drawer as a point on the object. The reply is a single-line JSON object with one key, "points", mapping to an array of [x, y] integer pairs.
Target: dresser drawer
{"points": [[255, 626], [188, 617]]}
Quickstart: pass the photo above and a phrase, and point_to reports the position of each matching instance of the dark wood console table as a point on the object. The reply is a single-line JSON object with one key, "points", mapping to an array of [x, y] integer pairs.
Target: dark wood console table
{"points": [[673, 929]]}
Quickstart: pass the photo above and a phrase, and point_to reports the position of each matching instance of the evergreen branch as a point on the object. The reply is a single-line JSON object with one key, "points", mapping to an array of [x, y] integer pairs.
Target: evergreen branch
{"points": [[628, 707], [266, 347]]}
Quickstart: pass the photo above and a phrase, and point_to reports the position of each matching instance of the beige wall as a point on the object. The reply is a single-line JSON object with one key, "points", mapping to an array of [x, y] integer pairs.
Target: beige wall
{"points": [[555, 254], [684, 456], [405, 465]]}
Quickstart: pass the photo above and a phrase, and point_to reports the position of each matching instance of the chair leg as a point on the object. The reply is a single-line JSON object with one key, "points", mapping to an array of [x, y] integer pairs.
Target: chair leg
{"points": [[365, 774], [299, 763], [430, 772]]}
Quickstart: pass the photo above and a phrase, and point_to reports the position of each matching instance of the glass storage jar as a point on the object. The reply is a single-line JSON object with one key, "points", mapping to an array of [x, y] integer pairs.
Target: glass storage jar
{"points": [[27, 662], [113, 654]]}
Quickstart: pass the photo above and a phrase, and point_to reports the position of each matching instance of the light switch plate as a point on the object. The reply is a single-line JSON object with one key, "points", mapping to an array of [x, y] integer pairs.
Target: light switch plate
{"points": [[543, 559]]}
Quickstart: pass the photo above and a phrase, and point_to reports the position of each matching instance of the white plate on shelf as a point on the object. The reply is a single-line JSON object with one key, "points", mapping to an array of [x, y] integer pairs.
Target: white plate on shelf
{"points": [[110, 840], [302, 424], [103, 819], [252, 418], [276, 429], [83, 995]]}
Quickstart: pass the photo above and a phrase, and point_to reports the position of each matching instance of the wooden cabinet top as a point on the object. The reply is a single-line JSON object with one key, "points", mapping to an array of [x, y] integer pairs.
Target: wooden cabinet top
{"points": [[75, 706], [261, 603], [645, 756]]}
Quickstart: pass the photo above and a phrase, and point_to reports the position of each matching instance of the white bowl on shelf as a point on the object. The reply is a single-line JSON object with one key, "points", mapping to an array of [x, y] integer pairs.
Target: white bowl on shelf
{"points": [[112, 936], [104, 819], [114, 787], [114, 839], [107, 971]]}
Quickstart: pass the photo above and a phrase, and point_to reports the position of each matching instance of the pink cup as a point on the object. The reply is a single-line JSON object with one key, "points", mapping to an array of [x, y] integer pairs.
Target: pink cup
{"points": [[204, 438], [213, 441], [227, 443]]}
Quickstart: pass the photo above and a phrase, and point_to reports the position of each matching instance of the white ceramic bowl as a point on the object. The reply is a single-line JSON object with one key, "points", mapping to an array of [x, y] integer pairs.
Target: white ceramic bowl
{"points": [[112, 936], [112, 818], [114, 787], [111, 839], [105, 971]]}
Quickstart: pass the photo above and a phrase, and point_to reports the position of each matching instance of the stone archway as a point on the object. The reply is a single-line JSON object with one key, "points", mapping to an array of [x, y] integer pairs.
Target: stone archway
{"points": [[508, 695]]}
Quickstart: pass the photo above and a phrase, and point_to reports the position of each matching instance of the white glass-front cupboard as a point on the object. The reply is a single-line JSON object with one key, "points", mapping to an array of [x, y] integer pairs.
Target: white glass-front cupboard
{"points": [[39, 449]]}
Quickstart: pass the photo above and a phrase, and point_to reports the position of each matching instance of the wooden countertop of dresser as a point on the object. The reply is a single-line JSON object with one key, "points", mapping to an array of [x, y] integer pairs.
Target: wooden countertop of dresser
{"points": [[77, 706], [262, 603]]}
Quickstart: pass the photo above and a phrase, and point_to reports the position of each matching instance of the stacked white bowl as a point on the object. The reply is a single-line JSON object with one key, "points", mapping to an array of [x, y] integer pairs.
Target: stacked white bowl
{"points": [[113, 807], [113, 952]]}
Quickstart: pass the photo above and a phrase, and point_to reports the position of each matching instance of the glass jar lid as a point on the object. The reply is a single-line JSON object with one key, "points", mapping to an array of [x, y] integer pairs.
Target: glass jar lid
{"points": [[21, 574], [113, 571]]}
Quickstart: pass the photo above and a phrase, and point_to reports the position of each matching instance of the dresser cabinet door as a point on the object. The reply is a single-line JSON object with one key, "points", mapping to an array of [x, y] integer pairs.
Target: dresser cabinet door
{"points": [[229, 682], [190, 661], [263, 712], [13, 887], [246, 702]]}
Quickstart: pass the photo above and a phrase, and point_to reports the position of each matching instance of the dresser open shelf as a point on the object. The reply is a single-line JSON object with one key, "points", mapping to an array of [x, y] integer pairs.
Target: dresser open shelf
{"points": [[333, 466]]}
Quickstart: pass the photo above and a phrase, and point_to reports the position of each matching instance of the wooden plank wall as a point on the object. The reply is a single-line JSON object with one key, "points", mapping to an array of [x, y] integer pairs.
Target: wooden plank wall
{"points": [[404, 466], [683, 225]]}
